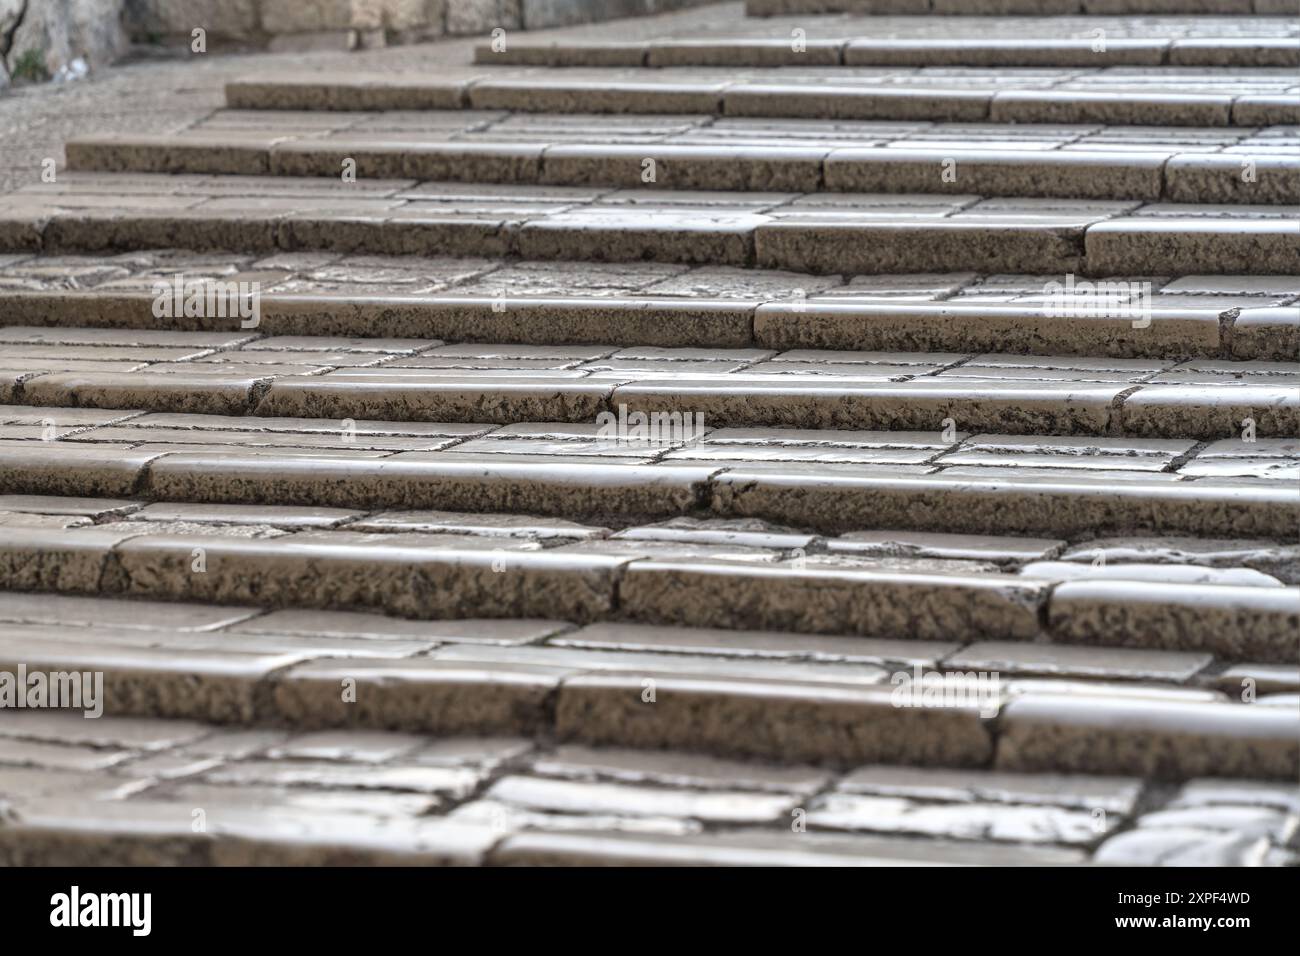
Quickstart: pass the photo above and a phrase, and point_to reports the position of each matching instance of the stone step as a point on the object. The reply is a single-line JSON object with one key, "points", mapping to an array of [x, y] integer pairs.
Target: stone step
{"points": [[774, 8], [1097, 327], [790, 479], [837, 715], [188, 626], [96, 313], [780, 50], [1180, 96], [1239, 401], [106, 790], [816, 233], [1108, 172]]}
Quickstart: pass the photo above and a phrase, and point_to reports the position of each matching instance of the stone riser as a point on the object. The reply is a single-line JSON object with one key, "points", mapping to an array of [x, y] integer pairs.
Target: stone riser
{"points": [[1047, 52], [1271, 334], [1126, 246], [1182, 177], [808, 101], [620, 495]]}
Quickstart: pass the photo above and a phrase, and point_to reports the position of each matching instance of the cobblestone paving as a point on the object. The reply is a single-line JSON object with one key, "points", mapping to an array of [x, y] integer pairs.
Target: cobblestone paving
{"points": [[799, 503]]}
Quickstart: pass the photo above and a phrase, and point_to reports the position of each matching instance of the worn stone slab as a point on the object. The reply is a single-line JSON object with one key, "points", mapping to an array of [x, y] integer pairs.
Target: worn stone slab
{"points": [[782, 721], [891, 247], [57, 468], [590, 490], [1231, 178], [320, 570], [1001, 327], [1025, 505], [1236, 623], [1117, 175], [929, 607], [758, 848], [1175, 246], [1150, 737], [418, 695]]}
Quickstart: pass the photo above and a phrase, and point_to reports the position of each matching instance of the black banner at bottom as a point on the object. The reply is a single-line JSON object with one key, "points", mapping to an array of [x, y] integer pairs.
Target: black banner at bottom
{"points": [[333, 906]]}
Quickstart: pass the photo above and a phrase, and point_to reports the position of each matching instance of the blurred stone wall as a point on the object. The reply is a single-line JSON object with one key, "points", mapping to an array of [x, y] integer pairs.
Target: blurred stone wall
{"points": [[44, 39], [63, 39], [349, 24]]}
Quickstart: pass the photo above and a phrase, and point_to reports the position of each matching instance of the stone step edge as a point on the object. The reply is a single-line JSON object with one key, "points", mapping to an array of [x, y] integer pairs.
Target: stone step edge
{"points": [[623, 497], [1186, 176], [789, 722], [871, 51], [1143, 245], [755, 99], [782, 324]]}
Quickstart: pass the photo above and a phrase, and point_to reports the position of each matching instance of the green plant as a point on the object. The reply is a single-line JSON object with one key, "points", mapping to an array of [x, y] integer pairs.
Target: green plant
{"points": [[30, 67]]}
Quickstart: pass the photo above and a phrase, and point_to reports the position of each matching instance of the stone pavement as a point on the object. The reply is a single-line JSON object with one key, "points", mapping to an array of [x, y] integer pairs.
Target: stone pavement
{"points": [[629, 447]]}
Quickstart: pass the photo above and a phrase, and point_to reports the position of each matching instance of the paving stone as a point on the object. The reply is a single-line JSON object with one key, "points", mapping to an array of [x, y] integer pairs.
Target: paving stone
{"points": [[999, 505], [141, 681], [961, 546], [394, 776], [460, 522], [590, 491], [1163, 573], [377, 627], [1212, 792], [1162, 738], [57, 756], [278, 516], [848, 602], [1031, 824], [444, 697], [50, 559], [676, 770], [910, 405], [784, 721], [248, 835], [567, 796], [1276, 826], [1056, 660], [430, 582], [1228, 178], [886, 247], [983, 327], [751, 644], [127, 733], [755, 848], [105, 612], [1266, 333], [996, 173], [1181, 847], [1234, 622], [1244, 679], [1274, 558], [498, 400], [1117, 795], [815, 672], [58, 469], [1216, 413], [1146, 244]]}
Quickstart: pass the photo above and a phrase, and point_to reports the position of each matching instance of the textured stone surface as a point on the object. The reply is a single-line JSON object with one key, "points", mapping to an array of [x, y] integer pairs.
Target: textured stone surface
{"points": [[972, 548]]}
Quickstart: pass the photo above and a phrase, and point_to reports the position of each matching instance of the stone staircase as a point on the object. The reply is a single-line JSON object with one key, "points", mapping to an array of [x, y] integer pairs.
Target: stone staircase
{"points": [[964, 531]]}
